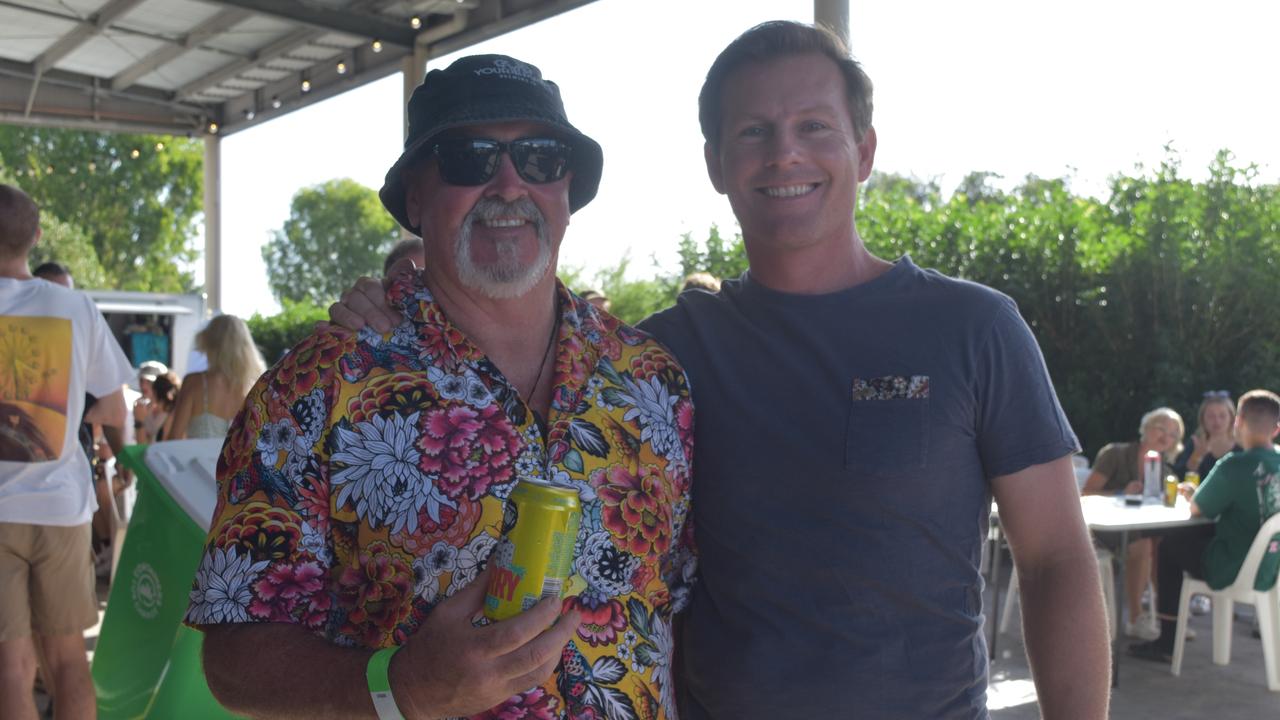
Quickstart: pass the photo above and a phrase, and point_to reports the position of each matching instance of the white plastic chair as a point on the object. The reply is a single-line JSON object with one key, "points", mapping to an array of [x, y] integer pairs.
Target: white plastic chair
{"points": [[1108, 591], [1266, 605]]}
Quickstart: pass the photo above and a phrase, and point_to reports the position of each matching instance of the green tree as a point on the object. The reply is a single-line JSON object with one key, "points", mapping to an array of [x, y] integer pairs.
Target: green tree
{"points": [[68, 245], [336, 232], [275, 334], [135, 198], [722, 258]]}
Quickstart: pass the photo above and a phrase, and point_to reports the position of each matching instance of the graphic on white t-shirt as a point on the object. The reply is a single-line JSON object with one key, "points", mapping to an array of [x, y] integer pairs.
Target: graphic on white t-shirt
{"points": [[35, 380]]}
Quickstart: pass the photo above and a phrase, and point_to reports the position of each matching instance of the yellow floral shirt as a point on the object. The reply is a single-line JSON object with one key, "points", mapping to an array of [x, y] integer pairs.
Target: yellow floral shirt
{"points": [[366, 477]]}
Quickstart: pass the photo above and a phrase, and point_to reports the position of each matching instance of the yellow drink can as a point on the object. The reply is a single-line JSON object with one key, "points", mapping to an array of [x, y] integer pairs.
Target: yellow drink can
{"points": [[1170, 490], [1192, 477], [534, 559]]}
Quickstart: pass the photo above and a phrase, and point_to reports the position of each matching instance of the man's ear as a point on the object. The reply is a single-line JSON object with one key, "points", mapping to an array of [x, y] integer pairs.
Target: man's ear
{"points": [[713, 167], [866, 154]]}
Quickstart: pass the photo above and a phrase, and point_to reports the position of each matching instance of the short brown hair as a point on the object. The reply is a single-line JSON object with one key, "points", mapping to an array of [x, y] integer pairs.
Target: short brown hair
{"points": [[778, 39], [1260, 410], [19, 221]]}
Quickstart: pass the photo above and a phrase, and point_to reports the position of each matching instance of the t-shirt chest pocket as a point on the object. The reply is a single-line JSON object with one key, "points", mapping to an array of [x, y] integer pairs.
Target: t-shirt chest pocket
{"points": [[888, 428]]}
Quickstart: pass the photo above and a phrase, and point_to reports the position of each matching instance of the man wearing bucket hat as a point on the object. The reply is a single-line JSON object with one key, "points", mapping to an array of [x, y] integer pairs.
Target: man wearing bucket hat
{"points": [[363, 487]]}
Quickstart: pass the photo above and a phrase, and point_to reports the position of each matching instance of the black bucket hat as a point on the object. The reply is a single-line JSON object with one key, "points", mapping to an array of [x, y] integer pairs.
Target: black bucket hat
{"points": [[484, 89]]}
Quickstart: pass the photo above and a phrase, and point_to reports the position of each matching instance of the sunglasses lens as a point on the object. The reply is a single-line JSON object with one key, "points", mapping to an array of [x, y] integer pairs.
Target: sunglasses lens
{"points": [[473, 162], [468, 162], [540, 160]]}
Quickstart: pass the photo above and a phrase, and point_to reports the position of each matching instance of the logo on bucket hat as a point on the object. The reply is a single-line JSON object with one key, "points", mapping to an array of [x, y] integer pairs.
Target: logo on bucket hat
{"points": [[512, 70], [480, 89]]}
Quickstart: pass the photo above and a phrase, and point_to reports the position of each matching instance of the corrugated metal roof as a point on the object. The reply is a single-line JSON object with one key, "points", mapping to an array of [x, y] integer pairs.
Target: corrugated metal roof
{"points": [[176, 66]]}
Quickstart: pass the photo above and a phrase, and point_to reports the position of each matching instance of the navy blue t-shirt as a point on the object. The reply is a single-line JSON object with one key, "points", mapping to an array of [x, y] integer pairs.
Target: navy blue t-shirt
{"points": [[844, 446]]}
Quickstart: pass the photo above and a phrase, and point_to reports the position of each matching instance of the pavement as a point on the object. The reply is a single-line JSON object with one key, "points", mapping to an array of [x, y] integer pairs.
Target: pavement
{"points": [[1237, 691]]}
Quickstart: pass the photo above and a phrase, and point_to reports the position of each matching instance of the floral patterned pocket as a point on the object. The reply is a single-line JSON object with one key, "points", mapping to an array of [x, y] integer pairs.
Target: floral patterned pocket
{"points": [[888, 429], [892, 387]]}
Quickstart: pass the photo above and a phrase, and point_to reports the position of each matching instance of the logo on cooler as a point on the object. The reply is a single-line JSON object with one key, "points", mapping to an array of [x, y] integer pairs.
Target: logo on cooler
{"points": [[145, 589]]}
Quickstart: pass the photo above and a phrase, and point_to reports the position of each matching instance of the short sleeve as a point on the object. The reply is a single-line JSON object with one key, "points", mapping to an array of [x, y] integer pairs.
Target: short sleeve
{"points": [[1020, 422], [269, 553], [679, 575], [108, 368], [1108, 461]]}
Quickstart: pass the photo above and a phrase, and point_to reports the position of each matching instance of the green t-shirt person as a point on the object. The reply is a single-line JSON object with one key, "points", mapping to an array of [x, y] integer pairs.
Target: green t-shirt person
{"points": [[1242, 491]]}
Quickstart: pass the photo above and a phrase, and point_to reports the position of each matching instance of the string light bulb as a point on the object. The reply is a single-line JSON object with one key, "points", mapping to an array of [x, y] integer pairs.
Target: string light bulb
{"points": [[135, 153], [377, 46], [275, 102], [306, 85], [250, 114], [415, 22], [342, 68], [159, 147], [93, 167], [213, 128]]}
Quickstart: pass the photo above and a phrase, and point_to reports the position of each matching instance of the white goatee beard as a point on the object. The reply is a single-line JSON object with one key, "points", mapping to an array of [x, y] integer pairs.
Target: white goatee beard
{"points": [[508, 277]]}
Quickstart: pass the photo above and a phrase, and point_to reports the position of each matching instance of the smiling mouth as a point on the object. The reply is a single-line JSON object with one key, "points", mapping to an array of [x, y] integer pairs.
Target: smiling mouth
{"points": [[503, 222], [789, 191]]}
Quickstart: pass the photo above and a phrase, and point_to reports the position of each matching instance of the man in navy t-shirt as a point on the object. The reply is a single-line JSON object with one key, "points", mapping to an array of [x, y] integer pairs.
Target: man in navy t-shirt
{"points": [[855, 417]]}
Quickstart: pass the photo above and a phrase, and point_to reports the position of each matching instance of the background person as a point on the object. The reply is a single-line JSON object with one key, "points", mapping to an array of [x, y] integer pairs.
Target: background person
{"points": [[596, 298], [701, 281], [146, 424], [46, 499], [164, 394], [56, 273], [208, 400], [1119, 469], [410, 248], [1241, 493], [1214, 435]]}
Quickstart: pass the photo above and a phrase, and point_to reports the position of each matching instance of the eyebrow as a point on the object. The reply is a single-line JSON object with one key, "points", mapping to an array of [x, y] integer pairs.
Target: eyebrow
{"points": [[822, 109]]}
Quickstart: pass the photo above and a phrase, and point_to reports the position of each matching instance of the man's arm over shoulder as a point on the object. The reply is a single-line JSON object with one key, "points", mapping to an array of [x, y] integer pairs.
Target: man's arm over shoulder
{"points": [[1064, 620]]}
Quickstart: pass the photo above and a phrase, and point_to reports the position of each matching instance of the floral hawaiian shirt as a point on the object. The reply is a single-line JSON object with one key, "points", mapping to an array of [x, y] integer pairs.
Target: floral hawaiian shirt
{"points": [[365, 480]]}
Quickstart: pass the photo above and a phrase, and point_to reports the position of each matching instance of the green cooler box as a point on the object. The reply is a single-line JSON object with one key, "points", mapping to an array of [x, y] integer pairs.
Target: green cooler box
{"points": [[147, 664]]}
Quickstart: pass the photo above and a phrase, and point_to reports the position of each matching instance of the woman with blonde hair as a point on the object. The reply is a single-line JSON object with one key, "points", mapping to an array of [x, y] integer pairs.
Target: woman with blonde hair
{"points": [[208, 400], [1214, 436], [1118, 469]]}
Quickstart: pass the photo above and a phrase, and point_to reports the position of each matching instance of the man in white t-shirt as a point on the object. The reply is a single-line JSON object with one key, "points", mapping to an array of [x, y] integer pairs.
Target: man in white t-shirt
{"points": [[54, 348]]}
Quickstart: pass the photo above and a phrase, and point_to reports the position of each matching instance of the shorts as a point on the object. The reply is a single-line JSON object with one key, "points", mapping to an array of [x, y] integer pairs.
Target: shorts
{"points": [[46, 580]]}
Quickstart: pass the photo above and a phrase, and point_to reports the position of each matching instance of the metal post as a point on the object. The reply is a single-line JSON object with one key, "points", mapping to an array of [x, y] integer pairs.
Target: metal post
{"points": [[834, 14], [414, 68], [213, 223]]}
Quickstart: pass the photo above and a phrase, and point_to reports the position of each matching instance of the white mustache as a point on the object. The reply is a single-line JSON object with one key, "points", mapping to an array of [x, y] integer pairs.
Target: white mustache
{"points": [[491, 208]]}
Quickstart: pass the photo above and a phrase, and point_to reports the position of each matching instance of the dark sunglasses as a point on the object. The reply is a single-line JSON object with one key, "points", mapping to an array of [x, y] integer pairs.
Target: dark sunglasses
{"points": [[474, 161]]}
